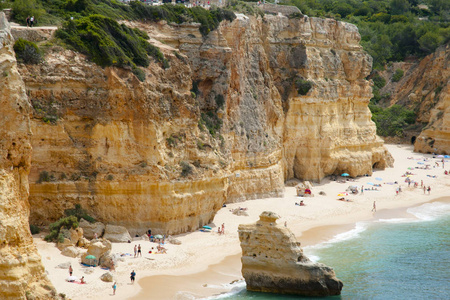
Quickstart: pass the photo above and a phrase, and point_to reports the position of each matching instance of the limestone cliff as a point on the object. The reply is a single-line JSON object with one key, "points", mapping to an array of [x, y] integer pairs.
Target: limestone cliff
{"points": [[425, 87], [224, 123], [272, 261], [21, 272]]}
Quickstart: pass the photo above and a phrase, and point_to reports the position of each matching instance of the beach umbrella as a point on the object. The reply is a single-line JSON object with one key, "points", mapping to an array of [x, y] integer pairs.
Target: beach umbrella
{"points": [[370, 183], [158, 236], [440, 156], [207, 227], [420, 163], [343, 194], [90, 257], [447, 156], [379, 178], [345, 174]]}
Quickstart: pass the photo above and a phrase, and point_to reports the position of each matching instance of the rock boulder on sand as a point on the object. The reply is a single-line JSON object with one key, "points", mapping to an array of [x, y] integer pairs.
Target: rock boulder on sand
{"points": [[97, 249], [70, 251], [90, 229], [272, 261], [116, 234], [107, 277]]}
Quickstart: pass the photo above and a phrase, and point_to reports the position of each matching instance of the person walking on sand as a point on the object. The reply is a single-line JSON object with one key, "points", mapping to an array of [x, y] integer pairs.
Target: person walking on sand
{"points": [[374, 208], [133, 276], [114, 287], [362, 190], [429, 189], [223, 228], [135, 250], [424, 189], [70, 270], [139, 250]]}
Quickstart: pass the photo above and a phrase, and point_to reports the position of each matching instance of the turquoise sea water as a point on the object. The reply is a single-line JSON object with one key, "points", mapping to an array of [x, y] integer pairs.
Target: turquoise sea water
{"points": [[385, 259]]}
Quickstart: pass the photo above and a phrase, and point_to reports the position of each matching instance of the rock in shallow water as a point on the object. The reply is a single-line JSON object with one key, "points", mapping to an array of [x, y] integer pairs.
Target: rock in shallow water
{"points": [[272, 261]]}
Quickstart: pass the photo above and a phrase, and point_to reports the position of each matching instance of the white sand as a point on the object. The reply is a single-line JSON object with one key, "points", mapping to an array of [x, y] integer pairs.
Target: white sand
{"points": [[201, 255]]}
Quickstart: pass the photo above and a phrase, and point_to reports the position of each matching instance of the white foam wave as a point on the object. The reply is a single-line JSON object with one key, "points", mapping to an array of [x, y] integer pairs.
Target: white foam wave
{"points": [[396, 220], [236, 288], [430, 211], [348, 235]]}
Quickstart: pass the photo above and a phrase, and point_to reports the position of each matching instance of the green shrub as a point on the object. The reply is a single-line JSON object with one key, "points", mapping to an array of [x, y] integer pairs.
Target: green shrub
{"points": [[397, 75], [44, 176], [27, 52], [79, 213], [107, 42], [21, 9], [378, 81], [55, 235], [392, 121], [220, 101], [303, 86], [140, 74], [208, 19], [186, 169], [212, 121], [34, 229]]}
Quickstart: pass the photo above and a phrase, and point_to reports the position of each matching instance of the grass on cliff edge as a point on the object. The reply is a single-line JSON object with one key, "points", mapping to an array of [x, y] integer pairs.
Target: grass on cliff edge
{"points": [[107, 42], [54, 12]]}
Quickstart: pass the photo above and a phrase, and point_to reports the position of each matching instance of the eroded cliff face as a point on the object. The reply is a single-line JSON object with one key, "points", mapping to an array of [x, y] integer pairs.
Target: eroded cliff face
{"points": [[272, 261], [425, 88], [224, 123], [21, 272]]}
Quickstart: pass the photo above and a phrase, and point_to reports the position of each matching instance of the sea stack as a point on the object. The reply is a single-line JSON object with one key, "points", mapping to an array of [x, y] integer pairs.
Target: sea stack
{"points": [[273, 262]]}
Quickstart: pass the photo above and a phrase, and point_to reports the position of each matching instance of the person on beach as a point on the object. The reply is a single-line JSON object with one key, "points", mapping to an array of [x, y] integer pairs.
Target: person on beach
{"points": [[70, 270], [429, 189], [362, 190], [139, 250], [374, 208], [223, 228], [82, 280], [28, 21], [133, 276], [135, 250], [31, 21], [114, 287], [424, 189]]}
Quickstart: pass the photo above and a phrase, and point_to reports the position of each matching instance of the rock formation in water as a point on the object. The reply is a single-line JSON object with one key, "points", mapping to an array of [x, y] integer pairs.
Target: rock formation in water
{"points": [[425, 88], [22, 274], [226, 122], [272, 261]]}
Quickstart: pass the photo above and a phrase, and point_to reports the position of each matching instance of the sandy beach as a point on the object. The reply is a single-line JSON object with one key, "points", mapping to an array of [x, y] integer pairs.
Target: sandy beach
{"points": [[206, 263]]}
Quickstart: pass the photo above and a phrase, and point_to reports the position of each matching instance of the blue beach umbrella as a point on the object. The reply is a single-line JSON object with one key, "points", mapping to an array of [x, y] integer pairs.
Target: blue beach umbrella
{"points": [[207, 227], [379, 178], [370, 183], [345, 174]]}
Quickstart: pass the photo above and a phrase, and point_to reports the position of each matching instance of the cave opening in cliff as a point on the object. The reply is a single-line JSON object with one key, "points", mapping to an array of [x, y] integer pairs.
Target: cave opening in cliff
{"points": [[413, 140]]}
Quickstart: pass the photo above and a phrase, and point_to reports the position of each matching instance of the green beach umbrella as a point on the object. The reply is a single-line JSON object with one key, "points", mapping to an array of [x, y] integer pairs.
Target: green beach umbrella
{"points": [[90, 257]]}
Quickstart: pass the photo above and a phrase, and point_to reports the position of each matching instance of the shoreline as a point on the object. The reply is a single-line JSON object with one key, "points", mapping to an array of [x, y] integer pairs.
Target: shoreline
{"points": [[199, 285], [201, 259]]}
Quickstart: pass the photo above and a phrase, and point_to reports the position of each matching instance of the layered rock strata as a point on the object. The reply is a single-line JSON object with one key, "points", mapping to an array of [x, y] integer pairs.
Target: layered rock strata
{"points": [[272, 261], [224, 123], [22, 274]]}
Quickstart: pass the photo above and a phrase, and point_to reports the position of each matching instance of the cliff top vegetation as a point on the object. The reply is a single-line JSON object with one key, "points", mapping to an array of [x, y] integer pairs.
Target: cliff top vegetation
{"points": [[391, 30]]}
